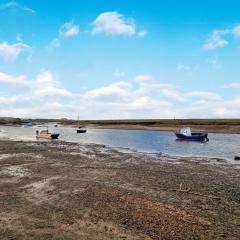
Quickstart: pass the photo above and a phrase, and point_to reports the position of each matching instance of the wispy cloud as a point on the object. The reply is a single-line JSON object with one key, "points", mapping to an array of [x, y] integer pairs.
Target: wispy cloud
{"points": [[236, 31], [68, 29], [214, 62], [56, 42], [10, 52], [219, 38], [144, 78], [188, 68], [118, 73], [232, 85], [216, 40], [27, 9], [15, 5], [114, 23], [142, 33]]}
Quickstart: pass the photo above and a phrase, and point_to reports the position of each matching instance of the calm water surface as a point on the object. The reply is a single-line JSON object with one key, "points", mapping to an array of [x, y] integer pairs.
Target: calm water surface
{"points": [[224, 146]]}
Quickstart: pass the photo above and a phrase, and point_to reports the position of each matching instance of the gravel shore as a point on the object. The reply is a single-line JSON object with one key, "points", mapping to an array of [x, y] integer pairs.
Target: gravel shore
{"points": [[58, 190]]}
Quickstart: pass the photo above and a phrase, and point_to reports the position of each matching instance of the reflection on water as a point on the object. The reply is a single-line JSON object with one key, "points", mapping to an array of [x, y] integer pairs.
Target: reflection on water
{"points": [[220, 145]]}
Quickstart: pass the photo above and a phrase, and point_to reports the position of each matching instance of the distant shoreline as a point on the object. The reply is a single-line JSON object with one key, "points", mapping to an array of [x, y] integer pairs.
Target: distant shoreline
{"points": [[230, 126], [227, 126]]}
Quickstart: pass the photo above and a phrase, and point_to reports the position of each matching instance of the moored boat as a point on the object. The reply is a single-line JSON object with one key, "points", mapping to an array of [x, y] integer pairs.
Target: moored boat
{"points": [[80, 128], [27, 125], [186, 134], [46, 134]]}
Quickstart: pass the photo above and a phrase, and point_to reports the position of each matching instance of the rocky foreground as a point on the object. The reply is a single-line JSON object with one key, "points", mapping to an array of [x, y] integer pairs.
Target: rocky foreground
{"points": [[56, 190]]}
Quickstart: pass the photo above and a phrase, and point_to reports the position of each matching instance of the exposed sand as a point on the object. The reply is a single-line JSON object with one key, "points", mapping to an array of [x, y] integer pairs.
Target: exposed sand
{"points": [[54, 190]]}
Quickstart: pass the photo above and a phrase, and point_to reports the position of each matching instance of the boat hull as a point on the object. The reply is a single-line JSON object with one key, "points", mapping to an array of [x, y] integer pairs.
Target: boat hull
{"points": [[193, 137], [81, 130], [48, 136], [55, 135]]}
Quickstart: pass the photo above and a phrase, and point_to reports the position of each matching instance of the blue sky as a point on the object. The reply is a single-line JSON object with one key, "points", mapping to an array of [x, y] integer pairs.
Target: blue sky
{"points": [[111, 59]]}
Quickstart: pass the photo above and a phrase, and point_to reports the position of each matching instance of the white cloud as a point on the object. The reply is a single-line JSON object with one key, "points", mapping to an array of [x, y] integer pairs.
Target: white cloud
{"points": [[11, 51], [214, 62], [15, 5], [114, 23], [181, 67], [188, 68], [204, 95], [19, 37], [232, 85], [172, 94], [112, 92], [10, 4], [68, 29], [236, 31], [122, 99], [14, 80], [216, 40], [143, 78], [56, 43], [27, 9], [8, 100], [83, 75], [43, 85], [118, 73], [142, 33], [146, 103]]}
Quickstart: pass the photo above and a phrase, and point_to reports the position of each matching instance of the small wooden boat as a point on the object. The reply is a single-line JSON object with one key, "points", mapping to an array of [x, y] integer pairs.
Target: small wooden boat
{"points": [[186, 134], [47, 135]]}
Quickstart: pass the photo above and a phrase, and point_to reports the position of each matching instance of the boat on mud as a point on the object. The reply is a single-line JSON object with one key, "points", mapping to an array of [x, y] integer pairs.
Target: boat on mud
{"points": [[186, 134], [46, 134]]}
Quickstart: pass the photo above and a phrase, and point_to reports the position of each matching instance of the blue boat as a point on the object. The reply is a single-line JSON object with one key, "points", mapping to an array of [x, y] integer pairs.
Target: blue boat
{"points": [[27, 125], [186, 134]]}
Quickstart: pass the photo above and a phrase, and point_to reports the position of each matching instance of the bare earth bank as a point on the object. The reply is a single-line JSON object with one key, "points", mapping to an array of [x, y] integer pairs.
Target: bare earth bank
{"points": [[52, 190]]}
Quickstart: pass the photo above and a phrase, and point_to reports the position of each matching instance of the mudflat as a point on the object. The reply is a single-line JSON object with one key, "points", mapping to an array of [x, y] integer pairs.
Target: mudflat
{"points": [[58, 190]]}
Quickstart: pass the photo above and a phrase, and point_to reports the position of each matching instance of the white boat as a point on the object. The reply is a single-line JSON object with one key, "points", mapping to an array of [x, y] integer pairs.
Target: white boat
{"points": [[46, 134]]}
